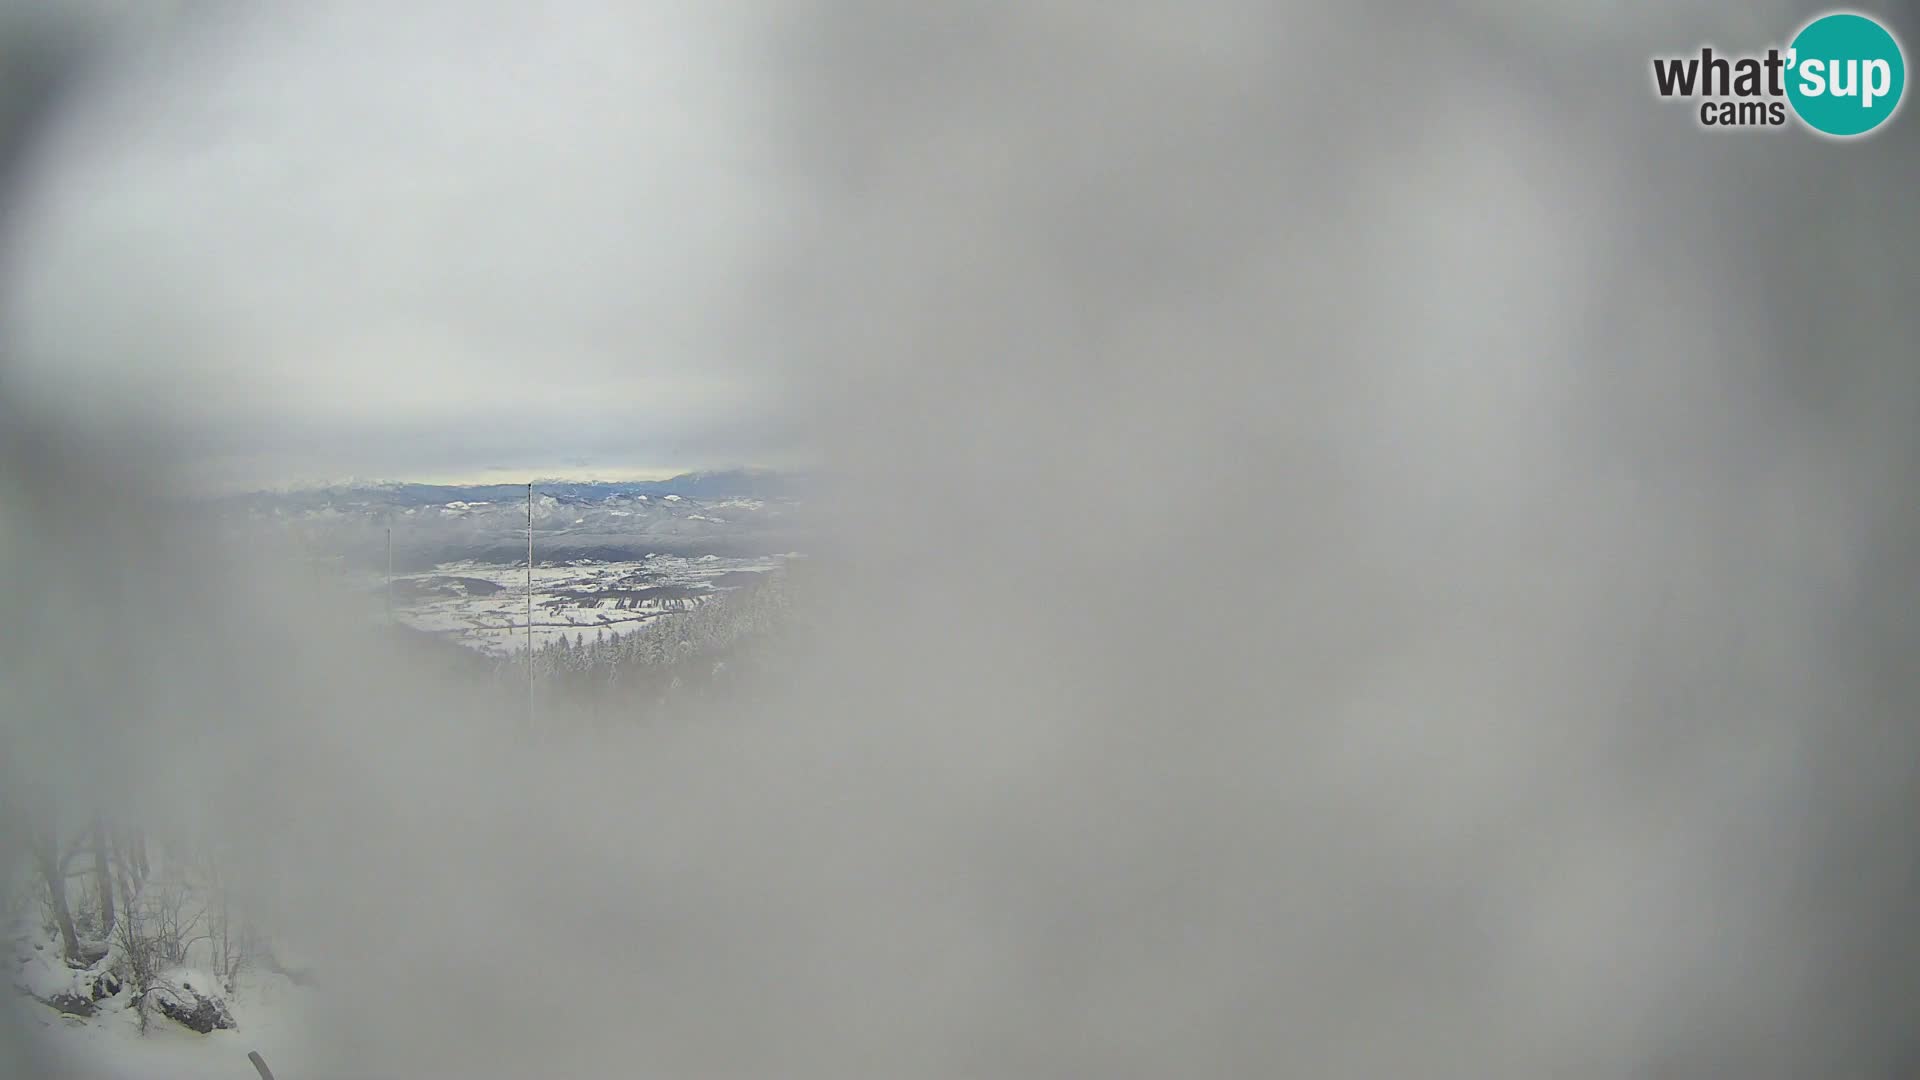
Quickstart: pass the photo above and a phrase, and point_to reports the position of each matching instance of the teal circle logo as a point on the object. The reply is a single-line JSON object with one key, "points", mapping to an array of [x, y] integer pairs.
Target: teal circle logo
{"points": [[1845, 74]]}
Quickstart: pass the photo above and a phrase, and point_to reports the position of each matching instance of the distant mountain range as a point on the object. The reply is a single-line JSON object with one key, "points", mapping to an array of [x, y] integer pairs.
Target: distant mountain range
{"points": [[718, 484], [734, 513]]}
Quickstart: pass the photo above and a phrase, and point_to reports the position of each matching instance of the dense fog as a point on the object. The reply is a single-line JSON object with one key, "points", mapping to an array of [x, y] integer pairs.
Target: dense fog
{"points": [[1357, 541]]}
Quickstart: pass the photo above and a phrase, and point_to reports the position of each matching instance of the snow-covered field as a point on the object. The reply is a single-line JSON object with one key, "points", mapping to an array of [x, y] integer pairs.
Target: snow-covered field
{"points": [[108, 1045], [609, 557], [272, 1012], [484, 605]]}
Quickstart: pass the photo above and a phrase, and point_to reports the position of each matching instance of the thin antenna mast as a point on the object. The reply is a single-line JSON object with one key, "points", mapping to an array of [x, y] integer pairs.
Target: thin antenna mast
{"points": [[529, 576], [529, 601]]}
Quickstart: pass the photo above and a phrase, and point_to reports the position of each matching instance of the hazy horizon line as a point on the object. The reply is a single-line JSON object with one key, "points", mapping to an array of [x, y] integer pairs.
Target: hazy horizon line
{"points": [[498, 477]]}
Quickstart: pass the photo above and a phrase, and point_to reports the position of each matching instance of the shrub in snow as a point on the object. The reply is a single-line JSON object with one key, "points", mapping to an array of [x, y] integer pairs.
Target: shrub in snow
{"points": [[42, 974], [190, 998]]}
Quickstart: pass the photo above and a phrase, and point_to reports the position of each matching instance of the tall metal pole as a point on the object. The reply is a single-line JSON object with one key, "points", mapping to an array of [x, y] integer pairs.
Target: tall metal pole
{"points": [[529, 576], [389, 575], [529, 601]]}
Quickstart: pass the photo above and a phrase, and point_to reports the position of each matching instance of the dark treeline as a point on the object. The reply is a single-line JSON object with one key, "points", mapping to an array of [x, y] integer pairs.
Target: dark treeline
{"points": [[633, 674]]}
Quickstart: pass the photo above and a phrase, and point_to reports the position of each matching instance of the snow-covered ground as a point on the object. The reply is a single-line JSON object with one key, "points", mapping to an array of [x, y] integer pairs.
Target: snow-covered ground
{"points": [[272, 1013], [484, 605]]}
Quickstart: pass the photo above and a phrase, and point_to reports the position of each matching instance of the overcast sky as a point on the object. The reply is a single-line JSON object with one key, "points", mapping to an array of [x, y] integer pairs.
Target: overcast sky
{"points": [[468, 240], [435, 241]]}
